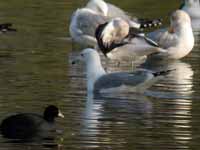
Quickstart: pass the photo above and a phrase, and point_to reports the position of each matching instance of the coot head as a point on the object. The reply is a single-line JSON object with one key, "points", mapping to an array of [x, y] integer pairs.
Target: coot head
{"points": [[51, 112]]}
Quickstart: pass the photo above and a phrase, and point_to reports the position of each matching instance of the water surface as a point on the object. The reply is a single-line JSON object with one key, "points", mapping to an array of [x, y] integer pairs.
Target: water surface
{"points": [[35, 71]]}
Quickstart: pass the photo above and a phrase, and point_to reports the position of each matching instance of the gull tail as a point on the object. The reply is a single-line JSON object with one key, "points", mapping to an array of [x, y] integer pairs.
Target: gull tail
{"points": [[6, 27], [146, 23], [163, 73]]}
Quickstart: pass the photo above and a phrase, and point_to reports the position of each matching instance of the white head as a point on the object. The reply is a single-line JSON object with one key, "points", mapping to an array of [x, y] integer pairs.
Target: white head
{"points": [[179, 19], [88, 55], [98, 5], [115, 31], [92, 59], [94, 68]]}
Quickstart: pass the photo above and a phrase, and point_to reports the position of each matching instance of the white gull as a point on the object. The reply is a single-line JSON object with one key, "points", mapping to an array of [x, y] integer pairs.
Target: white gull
{"points": [[178, 40], [98, 80]]}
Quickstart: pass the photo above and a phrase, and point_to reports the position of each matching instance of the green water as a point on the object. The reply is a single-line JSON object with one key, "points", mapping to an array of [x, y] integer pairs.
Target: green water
{"points": [[35, 71]]}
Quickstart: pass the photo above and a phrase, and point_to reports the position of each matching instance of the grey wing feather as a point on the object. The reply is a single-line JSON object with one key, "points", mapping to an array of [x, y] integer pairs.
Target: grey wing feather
{"points": [[114, 80], [155, 35]]}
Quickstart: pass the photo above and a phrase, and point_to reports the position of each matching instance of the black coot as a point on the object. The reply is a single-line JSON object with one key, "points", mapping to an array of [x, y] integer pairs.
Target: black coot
{"points": [[29, 125]]}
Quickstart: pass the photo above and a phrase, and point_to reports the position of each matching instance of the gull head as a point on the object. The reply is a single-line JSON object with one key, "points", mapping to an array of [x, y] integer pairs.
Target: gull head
{"points": [[87, 55], [94, 69], [115, 31], [179, 19]]}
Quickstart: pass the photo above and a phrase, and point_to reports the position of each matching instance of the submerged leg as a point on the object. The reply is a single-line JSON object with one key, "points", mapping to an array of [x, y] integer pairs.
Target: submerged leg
{"points": [[72, 44], [132, 65], [118, 64]]}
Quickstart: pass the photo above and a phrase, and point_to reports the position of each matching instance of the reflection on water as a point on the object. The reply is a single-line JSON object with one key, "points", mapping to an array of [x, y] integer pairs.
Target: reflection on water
{"points": [[196, 25], [35, 71], [180, 80], [178, 93], [106, 120], [32, 145]]}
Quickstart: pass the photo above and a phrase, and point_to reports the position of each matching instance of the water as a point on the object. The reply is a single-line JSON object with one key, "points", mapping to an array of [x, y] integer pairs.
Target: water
{"points": [[35, 71]]}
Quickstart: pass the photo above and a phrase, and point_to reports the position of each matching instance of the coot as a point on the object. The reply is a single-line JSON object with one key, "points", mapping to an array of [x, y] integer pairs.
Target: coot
{"points": [[30, 125]]}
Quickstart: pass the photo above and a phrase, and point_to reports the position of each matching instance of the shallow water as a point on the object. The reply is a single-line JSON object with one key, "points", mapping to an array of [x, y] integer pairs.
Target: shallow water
{"points": [[35, 71]]}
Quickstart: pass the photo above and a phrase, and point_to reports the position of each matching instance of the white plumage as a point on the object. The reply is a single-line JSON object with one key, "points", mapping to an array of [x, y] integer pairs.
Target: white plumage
{"points": [[178, 40], [98, 80]]}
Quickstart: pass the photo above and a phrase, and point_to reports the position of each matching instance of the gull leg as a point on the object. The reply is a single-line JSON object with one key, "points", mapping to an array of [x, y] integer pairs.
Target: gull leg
{"points": [[106, 64], [118, 64], [132, 65], [133, 61], [106, 69], [72, 44]]}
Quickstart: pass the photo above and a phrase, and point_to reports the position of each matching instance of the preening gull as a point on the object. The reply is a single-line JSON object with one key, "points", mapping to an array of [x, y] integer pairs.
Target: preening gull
{"points": [[84, 21], [192, 7], [178, 40], [98, 80], [118, 41]]}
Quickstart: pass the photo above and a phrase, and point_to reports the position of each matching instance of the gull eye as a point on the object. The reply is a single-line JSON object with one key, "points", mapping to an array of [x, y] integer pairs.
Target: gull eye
{"points": [[82, 55]]}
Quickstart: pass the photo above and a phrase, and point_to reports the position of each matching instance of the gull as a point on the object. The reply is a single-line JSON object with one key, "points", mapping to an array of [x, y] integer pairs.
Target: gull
{"points": [[6, 27], [178, 40], [192, 7], [117, 40], [98, 80], [84, 21]]}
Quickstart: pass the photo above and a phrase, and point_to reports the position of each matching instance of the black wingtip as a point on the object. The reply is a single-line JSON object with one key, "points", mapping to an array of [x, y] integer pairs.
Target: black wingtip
{"points": [[148, 40], [163, 73], [146, 23]]}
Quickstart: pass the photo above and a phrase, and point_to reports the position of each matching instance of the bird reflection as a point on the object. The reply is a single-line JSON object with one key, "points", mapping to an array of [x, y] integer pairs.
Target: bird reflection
{"points": [[177, 107], [197, 37], [32, 145], [107, 117], [196, 25], [179, 83]]}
